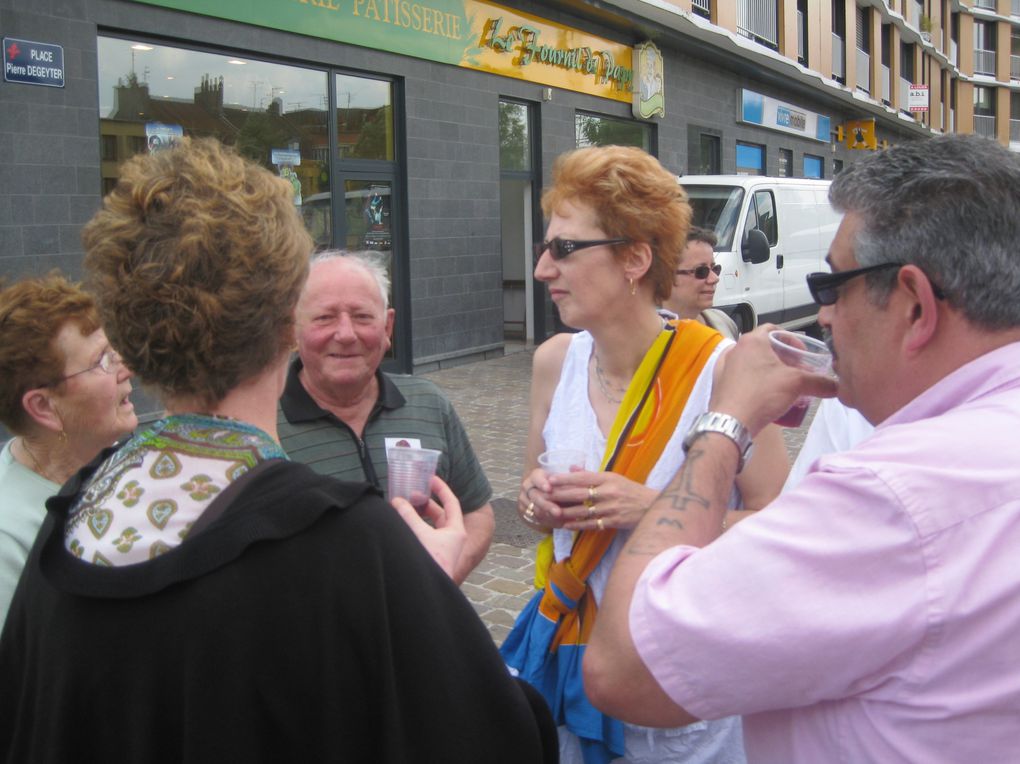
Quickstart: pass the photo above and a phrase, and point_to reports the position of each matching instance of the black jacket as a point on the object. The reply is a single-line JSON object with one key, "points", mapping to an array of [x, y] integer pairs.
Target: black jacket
{"points": [[305, 624]]}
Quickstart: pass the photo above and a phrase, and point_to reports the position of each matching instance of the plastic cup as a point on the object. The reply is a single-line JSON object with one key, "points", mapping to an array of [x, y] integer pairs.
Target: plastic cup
{"points": [[560, 460], [803, 352], [410, 472]]}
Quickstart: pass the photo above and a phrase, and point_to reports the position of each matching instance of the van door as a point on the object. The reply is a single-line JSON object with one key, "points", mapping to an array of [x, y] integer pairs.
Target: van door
{"points": [[798, 230], [764, 282]]}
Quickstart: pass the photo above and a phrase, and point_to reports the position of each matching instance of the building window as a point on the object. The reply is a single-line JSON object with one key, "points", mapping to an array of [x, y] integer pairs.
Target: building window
{"points": [[711, 159], [814, 166], [514, 138], [785, 163], [364, 118], [802, 32], [757, 19], [703, 8], [750, 159], [839, 40], [984, 47], [108, 148], [598, 130], [984, 111]]}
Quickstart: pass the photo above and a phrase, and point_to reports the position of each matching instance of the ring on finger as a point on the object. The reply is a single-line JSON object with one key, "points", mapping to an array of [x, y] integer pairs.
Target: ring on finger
{"points": [[593, 494], [599, 524], [529, 512], [591, 511]]}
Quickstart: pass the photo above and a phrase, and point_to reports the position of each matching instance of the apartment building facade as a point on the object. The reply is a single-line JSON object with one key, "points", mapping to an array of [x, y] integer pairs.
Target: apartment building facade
{"points": [[425, 129]]}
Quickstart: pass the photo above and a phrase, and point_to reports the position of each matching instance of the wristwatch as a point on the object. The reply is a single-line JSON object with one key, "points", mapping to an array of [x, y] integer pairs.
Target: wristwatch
{"points": [[724, 424]]}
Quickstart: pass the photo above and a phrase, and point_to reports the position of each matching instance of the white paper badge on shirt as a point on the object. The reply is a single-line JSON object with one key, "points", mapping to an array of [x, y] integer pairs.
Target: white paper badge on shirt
{"points": [[402, 443]]}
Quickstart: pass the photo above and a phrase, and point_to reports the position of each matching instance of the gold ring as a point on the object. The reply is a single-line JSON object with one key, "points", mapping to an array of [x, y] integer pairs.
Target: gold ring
{"points": [[599, 524], [593, 494], [529, 512], [591, 511]]}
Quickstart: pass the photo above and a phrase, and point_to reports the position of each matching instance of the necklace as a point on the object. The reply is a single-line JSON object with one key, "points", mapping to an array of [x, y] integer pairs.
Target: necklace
{"points": [[35, 462], [604, 385]]}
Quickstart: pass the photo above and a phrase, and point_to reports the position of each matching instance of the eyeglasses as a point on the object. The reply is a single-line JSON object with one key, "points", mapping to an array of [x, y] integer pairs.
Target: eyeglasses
{"points": [[824, 287], [107, 362], [701, 272], [560, 248]]}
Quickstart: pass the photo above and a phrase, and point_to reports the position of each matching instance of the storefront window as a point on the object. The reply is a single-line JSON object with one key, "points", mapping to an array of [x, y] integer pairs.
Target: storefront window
{"points": [[596, 130], [514, 141], [750, 159], [814, 167], [150, 95], [364, 117]]}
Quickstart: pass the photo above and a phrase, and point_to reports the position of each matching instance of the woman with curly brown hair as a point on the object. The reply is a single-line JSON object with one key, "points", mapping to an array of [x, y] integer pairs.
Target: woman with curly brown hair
{"points": [[199, 597], [65, 395], [621, 394]]}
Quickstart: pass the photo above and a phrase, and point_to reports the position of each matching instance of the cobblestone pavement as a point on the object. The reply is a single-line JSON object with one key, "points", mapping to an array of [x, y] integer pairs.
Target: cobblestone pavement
{"points": [[491, 398]]}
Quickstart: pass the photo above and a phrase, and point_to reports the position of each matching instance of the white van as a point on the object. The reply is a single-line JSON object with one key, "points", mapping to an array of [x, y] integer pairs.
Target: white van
{"points": [[772, 233]]}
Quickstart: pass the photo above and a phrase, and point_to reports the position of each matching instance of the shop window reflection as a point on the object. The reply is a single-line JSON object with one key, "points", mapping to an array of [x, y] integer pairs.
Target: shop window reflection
{"points": [[276, 115]]}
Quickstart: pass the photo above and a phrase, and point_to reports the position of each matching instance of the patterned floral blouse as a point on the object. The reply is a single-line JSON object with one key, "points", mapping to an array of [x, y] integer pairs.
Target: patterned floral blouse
{"points": [[144, 499]]}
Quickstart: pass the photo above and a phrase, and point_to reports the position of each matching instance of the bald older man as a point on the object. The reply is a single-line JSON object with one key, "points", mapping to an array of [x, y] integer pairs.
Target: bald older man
{"points": [[339, 412]]}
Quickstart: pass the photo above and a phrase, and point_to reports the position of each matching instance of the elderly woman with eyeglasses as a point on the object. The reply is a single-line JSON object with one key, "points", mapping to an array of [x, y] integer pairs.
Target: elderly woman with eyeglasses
{"points": [[64, 394], [621, 393], [694, 282]]}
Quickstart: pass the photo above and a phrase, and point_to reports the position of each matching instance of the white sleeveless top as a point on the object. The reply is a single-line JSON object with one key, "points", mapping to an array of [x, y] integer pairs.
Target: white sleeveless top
{"points": [[572, 424]]}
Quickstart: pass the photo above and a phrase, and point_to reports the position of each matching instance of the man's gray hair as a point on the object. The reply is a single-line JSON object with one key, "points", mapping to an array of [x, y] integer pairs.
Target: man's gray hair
{"points": [[372, 262], [949, 205]]}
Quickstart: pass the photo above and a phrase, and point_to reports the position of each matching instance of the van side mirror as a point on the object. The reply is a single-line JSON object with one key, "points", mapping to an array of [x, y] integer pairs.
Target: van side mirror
{"points": [[755, 247]]}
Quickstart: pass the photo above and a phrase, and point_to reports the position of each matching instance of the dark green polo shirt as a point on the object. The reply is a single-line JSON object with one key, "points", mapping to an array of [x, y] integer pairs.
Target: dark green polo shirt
{"points": [[408, 408]]}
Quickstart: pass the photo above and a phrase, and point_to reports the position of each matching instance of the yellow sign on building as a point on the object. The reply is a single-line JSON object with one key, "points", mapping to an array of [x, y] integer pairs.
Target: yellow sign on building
{"points": [[860, 134]]}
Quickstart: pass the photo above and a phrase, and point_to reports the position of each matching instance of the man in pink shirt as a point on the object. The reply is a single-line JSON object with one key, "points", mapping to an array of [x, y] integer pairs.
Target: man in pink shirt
{"points": [[872, 614]]}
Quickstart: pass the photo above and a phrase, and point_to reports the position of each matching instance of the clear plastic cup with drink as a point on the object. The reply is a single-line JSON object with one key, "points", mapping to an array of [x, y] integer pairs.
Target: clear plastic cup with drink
{"points": [[410, 472], [559, 461], [803, 352]]}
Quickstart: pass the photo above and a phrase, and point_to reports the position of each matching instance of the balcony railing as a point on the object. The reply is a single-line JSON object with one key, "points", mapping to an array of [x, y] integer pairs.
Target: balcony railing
{"points": [[984, 125], [952, 120], [1014, 131], [1016, 8], [863, 71], [1014, 67], [904, 95], [838, 58], [886, 76], [757, 19], [986, 4], [703, 7], [984, 61]]}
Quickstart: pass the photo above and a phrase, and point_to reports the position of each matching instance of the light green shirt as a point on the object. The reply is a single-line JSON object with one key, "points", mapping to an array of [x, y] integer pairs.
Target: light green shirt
{"points": [[23, 495]]}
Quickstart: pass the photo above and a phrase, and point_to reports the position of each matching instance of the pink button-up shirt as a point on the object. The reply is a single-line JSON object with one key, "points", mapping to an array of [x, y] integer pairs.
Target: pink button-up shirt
{"points": [[873, 613]]}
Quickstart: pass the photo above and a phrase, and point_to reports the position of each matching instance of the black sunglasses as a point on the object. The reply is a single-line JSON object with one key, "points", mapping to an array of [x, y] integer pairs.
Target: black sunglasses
{"points": [[701, 272], [560, 248], [824, 287]]}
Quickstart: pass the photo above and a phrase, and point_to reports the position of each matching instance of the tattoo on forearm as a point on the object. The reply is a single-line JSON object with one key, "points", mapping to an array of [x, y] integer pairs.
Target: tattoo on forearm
{"points": [[679, 496]]}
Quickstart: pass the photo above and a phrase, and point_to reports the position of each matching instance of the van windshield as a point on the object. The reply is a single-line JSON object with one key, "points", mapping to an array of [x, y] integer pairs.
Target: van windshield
{"points": [[717, 209]]}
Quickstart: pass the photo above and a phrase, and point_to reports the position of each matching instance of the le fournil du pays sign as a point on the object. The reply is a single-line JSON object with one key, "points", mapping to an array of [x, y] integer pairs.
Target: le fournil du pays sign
{"points": [[468, 33]]}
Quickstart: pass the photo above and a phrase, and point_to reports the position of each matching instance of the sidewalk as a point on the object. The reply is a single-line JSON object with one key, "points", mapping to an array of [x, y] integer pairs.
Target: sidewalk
{"points": [[491, 398]]}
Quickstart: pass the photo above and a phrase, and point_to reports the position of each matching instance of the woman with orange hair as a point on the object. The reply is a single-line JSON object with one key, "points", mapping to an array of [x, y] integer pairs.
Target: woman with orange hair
{"points": [[623, 392]]}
